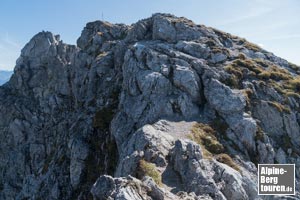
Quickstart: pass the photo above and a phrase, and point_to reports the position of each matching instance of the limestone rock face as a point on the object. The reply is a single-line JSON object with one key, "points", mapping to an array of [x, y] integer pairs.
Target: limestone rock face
{"points": [[160, 109], [223, 99]]}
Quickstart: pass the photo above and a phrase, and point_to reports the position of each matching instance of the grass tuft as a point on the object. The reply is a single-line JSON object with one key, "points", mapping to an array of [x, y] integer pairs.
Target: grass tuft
{"points": [[233, 69], [293, 84], [252, 46], [248, 94], [204, 135], [227, 160], [259, 134], [148, 169], [265, 75], [249, 64]]}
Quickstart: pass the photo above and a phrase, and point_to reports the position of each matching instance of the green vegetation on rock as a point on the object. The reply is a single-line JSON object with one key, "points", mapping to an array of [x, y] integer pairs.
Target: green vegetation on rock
{"points": [[204, 135], [149, 169], [226, 159]]}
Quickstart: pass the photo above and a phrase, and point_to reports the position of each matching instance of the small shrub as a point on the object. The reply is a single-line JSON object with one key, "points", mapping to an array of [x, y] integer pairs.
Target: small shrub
{"points": [[293, 84], [249, 64], [232, 82], [247, 93], [203, 134], [148, 169], [287, 91], [259, 134], [226, 159], [280, 76], [216, 50], [262, 62], [280, 70], [276, 86], [242, 56], [275, 75], [258, 68], [264, 75], [210, 43], [205, 153], [234, 70]]}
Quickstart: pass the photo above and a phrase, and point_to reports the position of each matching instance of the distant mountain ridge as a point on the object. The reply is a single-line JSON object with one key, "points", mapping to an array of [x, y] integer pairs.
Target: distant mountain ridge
{"points": [[5, 76]]}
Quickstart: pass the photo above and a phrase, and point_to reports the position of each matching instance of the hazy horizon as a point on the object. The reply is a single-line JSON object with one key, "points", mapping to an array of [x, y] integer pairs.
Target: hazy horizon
{"points": [[272, 24]]}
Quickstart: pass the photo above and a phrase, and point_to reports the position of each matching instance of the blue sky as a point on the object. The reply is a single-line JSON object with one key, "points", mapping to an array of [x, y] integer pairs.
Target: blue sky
{"points": [[273, 24]]}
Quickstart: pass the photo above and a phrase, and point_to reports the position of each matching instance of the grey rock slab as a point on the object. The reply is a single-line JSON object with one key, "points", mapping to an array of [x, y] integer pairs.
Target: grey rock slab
{"points": [[222, 98]]}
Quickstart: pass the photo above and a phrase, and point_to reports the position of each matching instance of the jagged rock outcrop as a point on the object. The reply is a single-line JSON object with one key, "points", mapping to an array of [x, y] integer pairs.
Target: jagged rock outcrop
{"points": [[160, 109]]}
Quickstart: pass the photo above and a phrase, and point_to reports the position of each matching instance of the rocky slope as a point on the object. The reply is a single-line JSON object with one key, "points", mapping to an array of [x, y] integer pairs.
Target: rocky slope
{"points": [[161, 109]]}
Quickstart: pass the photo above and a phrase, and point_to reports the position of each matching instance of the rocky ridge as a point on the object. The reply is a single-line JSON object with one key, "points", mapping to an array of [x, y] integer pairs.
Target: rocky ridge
{"points": [[160, 109]]}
